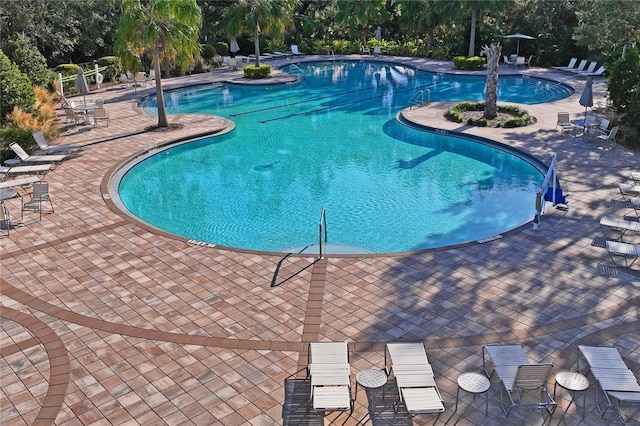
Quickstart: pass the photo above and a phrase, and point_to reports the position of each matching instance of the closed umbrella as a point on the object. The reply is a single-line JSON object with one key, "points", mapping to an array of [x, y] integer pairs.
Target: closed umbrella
{"points": [[81, 85], [233, 45], [379, 33], [519, 37], [586, 99]]}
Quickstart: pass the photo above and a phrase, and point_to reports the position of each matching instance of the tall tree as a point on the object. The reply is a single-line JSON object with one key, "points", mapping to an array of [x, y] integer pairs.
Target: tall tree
{"points": [[167, 28], [256, 17], [360, 15], [421, 16]]}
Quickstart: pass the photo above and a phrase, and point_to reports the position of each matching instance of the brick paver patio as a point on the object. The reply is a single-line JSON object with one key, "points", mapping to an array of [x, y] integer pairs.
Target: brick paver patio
{"points": [[105, 321]]}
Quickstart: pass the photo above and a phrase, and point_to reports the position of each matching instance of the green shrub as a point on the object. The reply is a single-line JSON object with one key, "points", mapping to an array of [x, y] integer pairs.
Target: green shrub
{"points": [[30, 61], [472, 63], [12, 133], [17, 90], [114, 67], [208, 52], [520, 116], [221, 48], [251, 71]]}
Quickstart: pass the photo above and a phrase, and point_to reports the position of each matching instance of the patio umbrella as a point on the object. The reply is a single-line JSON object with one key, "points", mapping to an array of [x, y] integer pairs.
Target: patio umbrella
{"points": [[379, 33], [586, 100], [519, 36], [233, 45], [81, 85]]}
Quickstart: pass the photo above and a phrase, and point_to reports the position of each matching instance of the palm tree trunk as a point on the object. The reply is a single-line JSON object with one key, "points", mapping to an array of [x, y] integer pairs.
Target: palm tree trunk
{"points": [[256, 42], [472, 36], [162, 112], [491, 101]]}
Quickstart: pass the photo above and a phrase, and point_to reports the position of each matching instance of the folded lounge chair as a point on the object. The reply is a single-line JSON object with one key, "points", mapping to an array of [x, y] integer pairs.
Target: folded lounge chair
{"points": [[330, 376], [615, 380], [35, 158], [414, 378], [44, 146], [519, 378]]}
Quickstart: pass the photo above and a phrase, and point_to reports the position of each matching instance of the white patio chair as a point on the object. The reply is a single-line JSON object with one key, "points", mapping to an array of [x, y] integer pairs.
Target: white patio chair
{"points": [[520, 379], [39, 196], [564, 121], [610, 137], [414, 378], [330, 374], [615, 380]]}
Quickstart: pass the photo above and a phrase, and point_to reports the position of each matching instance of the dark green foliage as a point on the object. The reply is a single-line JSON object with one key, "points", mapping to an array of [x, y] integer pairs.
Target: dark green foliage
{"points": [[207, 52], [30, 61], [251, 71], [12, 133], [17, 90], [624, 81], [520, 116], [114, 67], [222, 48], [472, 63]]}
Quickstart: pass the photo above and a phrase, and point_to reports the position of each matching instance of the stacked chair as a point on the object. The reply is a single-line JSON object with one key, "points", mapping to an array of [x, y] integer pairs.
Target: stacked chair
{"points": [[414, 377]]}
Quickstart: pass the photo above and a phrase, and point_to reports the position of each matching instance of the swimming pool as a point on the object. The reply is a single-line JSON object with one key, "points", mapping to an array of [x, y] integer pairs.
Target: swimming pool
{"points": [[331, 141]]}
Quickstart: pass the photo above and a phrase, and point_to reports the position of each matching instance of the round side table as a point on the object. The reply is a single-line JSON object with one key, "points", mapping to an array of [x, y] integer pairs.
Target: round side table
{"points": [[573, 382], [12, 162], [476, 384], [370, 379]]}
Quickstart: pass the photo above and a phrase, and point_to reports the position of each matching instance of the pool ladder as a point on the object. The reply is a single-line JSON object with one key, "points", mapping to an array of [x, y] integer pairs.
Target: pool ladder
{"points": [[418, 98], [322, 226], [301, 72]]}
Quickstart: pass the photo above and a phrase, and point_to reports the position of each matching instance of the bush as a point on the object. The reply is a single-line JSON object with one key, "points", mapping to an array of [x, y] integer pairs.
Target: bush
{"points": [[17, 90], [208, 52], [68, 70], [221, 48], [30, 61], [251, 71], [520, 117], [472, 63], [12, 133], [114, 67], [624, 79]]}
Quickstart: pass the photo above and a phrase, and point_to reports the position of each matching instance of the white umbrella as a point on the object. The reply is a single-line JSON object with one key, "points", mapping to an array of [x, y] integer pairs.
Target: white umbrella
{"points": [[519, 36], [233, 45], [379, 33], [81, 85]]}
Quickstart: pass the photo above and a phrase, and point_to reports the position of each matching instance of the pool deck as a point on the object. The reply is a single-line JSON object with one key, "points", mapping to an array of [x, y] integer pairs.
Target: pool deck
{"points": [[105, 322]]}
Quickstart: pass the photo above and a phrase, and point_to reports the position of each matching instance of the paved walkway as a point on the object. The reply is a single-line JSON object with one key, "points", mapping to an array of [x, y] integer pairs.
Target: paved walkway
{"points": [[105, 322]]}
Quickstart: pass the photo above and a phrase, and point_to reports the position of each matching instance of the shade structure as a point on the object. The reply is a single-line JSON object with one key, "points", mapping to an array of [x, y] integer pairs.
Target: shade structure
{"points": [[379, 33], [519, 37], [81, 85], [233, 45], [586, 100]]}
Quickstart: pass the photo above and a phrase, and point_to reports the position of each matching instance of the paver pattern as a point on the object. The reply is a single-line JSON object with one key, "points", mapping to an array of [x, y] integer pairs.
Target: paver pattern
{"points": [[107, 321]]}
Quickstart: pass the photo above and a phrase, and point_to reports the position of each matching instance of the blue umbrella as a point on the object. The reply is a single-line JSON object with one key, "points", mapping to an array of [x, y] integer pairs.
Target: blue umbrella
{"points": [[586, 100]]}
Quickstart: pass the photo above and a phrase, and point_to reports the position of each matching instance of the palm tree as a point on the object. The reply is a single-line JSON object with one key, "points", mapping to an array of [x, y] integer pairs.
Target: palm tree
{"points": [[491, 98], [360, 15], [256, 17], [168, 29]]}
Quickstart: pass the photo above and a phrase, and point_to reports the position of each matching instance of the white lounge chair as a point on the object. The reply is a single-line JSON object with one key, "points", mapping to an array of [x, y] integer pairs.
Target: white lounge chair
{"points": [[295, 51], [595, 73], [610, 223], [570, 66], [519, 377], [628, 252], [23, 182], [628, 190], [592, 66], [581, 67], [414, 378], [615, 380], [330, 376], [37, 169], [35, 158], [45, 147]]}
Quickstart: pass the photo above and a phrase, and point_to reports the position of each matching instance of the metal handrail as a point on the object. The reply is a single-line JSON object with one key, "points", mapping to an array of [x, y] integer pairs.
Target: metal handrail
{"points": [[420, 94], [323, 220], [304, 75]]}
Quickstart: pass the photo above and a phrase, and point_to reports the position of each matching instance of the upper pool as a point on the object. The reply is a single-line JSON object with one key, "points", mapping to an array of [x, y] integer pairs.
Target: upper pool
{"points": [[333, 141]]}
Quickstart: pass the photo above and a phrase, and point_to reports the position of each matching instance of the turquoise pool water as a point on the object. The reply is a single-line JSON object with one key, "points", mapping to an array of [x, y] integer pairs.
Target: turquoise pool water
{"points": [[332, 141]]}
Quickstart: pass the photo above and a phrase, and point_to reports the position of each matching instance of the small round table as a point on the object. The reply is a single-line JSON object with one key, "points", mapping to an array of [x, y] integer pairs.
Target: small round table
{"points": [[573, 382], [11, 162], [371, 379], [6, 193], [476, 384]]}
